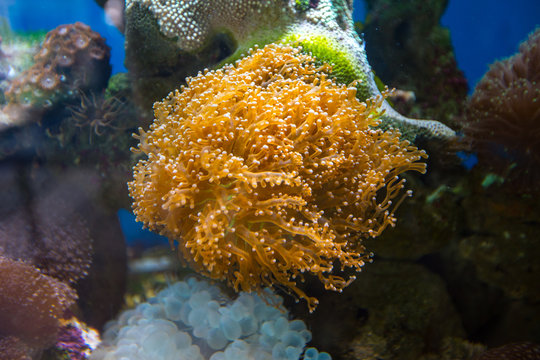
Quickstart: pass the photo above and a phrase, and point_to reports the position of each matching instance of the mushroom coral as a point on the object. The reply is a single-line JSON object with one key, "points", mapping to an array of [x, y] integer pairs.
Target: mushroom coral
{"points": [[268, 169]]}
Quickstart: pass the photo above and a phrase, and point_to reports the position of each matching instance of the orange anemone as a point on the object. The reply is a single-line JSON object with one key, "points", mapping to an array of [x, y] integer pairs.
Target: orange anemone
{"points": [[268, 169]]}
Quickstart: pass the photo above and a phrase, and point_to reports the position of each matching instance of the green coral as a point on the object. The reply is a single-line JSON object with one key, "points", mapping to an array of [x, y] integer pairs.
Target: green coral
{"points": [[10, 36], [17, 50], [302, 5]]}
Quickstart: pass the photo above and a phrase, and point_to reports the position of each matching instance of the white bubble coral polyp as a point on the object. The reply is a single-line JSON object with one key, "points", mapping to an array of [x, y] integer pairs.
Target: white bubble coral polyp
{"points": [[267, 169]]}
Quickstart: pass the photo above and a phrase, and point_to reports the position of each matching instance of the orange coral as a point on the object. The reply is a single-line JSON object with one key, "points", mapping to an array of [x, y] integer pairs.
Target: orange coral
{"points": [[267, 169]]}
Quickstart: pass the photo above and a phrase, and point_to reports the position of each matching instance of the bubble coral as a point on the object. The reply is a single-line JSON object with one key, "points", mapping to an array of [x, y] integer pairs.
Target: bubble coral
{"points": [[196, 320], [267, 169], [503, 120]]}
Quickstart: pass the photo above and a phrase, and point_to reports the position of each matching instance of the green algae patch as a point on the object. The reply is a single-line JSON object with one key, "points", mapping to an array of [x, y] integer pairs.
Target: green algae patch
{"points": [[327, 51]]}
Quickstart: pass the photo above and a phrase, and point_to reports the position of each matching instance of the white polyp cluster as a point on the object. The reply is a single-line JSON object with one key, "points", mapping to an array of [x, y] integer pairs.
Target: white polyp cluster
{"points": [[193, 20]]}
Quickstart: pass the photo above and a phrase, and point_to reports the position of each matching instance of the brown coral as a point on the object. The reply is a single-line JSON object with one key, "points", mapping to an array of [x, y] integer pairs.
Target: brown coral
{"points": [[192, 22], [268, 169], [504, 115], [514, 351], [72, 57], [12, 348], [51, 237], [31, 303]]}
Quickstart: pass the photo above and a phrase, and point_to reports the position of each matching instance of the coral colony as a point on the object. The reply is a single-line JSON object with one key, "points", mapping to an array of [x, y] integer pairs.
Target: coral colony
{"points": [[267, 169], [503, 122], [325, 28], [190, 320], [72, 59]]}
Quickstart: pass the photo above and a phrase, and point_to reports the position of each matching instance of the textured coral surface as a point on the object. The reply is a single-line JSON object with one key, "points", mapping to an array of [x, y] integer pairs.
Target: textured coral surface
{"points": [[51, 237], [406, 44], [266, 170], [31, 303], [514, 351], [191, 22]]}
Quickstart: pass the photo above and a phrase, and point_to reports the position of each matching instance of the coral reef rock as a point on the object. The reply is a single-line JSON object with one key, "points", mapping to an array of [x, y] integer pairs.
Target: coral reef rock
{"points": [[406, 45], [182, 37]]}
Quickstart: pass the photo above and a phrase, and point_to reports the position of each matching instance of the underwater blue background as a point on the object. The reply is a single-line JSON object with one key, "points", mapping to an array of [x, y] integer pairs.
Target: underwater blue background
{"points": [[482, 30]]}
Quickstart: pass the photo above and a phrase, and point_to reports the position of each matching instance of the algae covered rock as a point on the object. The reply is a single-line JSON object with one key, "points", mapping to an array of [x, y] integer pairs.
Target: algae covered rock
{"points": [[394, 310], [169, 40], [428, 221], [502, 242], [407, 44]]}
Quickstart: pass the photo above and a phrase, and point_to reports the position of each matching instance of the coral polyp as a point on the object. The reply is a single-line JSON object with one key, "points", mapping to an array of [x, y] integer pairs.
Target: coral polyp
{"points": [[73, 58], [268, 169], [97, 113]]}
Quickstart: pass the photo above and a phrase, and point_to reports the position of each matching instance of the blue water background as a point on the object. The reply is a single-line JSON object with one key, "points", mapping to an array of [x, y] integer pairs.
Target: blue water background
{"points": [[135, 235], [487, 30], [483, 31]]}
